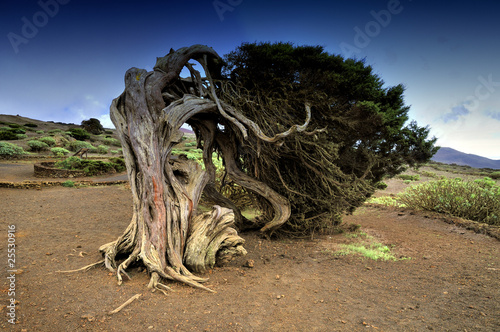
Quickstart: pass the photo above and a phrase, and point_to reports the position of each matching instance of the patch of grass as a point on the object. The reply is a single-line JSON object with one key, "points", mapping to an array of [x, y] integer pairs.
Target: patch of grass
{"points": [[408, 177], [68, 184], [386, 201], [373, 251]]}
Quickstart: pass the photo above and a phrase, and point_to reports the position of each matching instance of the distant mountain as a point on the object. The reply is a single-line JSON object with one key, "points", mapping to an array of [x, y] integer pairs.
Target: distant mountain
{"points": [[187, 131], [452, 156]]}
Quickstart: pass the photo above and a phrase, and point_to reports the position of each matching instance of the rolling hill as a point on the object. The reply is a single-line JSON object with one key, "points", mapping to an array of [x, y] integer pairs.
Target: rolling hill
{"points": [[452, 156]]}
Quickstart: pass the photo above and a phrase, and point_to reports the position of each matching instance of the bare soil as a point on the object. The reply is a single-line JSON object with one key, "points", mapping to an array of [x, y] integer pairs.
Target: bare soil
{"points": [[450, 283]]}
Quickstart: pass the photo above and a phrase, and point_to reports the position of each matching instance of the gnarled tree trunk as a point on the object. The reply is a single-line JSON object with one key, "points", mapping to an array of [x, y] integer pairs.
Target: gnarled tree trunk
{"points": [[166, 233]]}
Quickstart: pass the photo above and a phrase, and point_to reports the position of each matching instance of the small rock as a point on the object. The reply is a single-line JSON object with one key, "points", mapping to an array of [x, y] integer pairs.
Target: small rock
{"points": [[88, 317], [249, 263]]}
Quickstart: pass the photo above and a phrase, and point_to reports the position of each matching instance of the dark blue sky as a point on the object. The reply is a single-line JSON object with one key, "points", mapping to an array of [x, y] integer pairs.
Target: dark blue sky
{"points": [[65, 60]]}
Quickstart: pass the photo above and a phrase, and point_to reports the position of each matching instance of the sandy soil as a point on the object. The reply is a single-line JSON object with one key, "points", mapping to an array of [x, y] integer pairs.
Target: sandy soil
{"points": [[451, 282]]}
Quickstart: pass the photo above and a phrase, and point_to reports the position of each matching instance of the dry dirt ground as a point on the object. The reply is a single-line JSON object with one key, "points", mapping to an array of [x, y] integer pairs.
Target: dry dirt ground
{"points": [[450, 283]]}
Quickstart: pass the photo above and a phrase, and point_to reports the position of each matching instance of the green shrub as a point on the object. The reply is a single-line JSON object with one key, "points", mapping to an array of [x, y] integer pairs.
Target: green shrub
{"points": [[68, 184], [386, 201], [18, 130], [21, 136], [9, 149], [119, 151], [102, 149], [77, 145], [381, 185], [14, 125], [190, 144], [48, 140], [39, 131], [7, 135], [118, 164], [111, 141], [59, 152], [409, 177], [55, 131], [37, 145], [79, 134], [30, 125], [91, 167], [495, 175], [474, 200], [429, 174]]}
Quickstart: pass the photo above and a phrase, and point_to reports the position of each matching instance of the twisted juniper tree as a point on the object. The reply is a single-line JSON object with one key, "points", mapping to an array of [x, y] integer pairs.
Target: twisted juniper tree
{"points": [[166, 233]]}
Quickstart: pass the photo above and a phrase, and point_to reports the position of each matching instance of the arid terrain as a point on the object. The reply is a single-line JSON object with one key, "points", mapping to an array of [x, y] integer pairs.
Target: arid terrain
{"points": [[444, 278]]}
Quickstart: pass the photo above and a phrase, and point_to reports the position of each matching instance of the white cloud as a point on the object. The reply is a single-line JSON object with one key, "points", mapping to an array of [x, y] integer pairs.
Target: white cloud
{"points": [[473, 133]]}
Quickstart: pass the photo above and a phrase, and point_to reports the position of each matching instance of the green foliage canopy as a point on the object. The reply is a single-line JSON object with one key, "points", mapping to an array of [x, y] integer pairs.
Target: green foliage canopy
{"points": [[366, 138]]}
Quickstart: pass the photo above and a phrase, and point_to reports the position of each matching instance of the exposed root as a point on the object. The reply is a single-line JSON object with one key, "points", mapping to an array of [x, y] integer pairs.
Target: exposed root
{"points": [[132, 299], [155, 284], [85, 268]]}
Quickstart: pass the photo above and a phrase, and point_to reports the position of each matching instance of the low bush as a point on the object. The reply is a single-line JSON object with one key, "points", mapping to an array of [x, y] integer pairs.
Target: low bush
{"points": [[381, 185], [7, 135], [102, 149], [409, 177], [495, 175], [48, 140], [111, 141], [30, 125], [79, 134], [21, 136], [15, 130], [59, 152], [55, 131], [9, 149], [14, 125], [91, 167], [474, 200], [386, 201], [68, 184], [77, 145], [37, 146], [39, 132], [429, 174]]}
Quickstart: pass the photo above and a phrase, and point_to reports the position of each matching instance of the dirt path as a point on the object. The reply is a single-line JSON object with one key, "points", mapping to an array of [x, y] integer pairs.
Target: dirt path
{"points": [[451, 282]]}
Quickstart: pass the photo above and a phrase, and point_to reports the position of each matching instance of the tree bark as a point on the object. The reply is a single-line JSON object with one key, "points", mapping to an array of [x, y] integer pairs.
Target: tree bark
{"points": [[165, 232]]}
